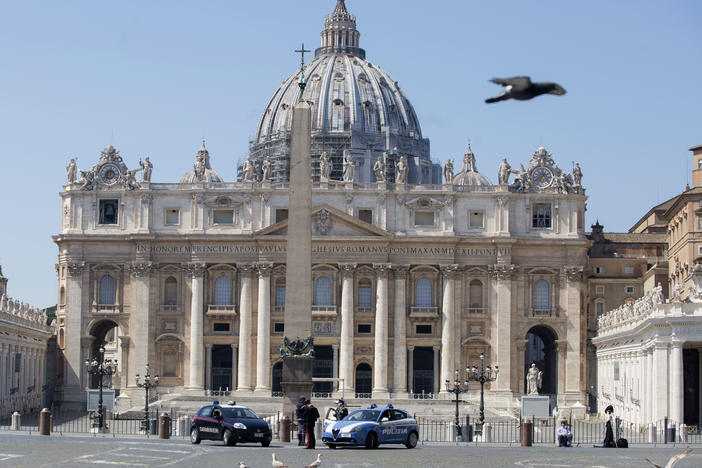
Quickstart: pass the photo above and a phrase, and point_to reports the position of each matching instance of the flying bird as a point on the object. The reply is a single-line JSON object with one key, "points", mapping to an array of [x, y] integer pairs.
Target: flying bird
{"points": [[315, 463], [277, 463], [673, 460], [243, 465], [522, 89]]}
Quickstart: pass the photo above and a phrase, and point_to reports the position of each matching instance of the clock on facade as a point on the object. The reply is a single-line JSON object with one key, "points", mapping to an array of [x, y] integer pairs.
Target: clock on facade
{"points": [[109, 174], [542, 177]]}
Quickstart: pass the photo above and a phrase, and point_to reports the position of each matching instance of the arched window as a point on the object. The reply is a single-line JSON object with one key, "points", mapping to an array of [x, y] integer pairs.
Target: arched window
{"points": [[170, 295], [107, 290], [423, 293], [542, 295], [364, 379], [280, 293], [223, 291], [475, 294], [62, 296], [323, 291], [364, 293]]}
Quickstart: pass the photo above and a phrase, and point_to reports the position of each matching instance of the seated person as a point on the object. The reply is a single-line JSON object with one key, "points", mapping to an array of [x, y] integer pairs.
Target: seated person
{"points": [[216, 413], [565, 436]]}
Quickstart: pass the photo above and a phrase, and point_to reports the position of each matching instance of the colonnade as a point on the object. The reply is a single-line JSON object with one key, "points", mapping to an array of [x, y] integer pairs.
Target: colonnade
{"points": [[22, 376]]}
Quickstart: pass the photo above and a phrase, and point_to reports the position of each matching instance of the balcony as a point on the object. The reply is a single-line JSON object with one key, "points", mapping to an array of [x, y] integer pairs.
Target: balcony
{"points": [[278, 309], [475, 311], [226, 311], [107, 309], [424, 312], [543, 312], [324, 312], [364, 310], [169, 309]]}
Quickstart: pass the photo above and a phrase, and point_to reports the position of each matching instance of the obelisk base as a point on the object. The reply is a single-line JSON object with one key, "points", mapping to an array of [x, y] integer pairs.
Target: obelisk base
{"points": [[297, 381]]}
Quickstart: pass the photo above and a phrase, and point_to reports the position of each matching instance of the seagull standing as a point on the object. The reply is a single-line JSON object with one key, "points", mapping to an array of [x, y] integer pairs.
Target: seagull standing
{"points": [[315, 463], [243, 465], [673, 460], [277, 463], [522, 89]]}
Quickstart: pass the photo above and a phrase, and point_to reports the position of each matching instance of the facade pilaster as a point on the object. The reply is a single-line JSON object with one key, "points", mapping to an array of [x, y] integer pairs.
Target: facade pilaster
{"points": [[196, 373], [561, 351], [380, 368], [573, 355], [437, 382], [235, 360], [73, 383], [660, 381], [502, 276], [244, 379], [399, 380], [263, 330], [346, 339], [208, 366], [141, 273], [410, 368], [448, 324]]}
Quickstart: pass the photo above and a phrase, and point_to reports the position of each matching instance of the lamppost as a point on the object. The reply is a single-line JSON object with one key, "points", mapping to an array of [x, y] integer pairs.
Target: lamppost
{"points": [[146, 385], [457, 390], [482, 375], [101, 367]]}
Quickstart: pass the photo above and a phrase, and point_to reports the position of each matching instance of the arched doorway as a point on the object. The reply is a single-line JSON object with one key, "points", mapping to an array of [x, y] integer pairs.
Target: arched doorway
{"points": [[221, 367], [364, 380], [541, 350], [277, 377], [104, 334], [422, 370]]}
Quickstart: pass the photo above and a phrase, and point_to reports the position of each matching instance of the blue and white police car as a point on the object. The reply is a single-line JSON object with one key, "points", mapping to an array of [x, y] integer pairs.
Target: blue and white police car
{"points": [[371, 427], [229, 423]]}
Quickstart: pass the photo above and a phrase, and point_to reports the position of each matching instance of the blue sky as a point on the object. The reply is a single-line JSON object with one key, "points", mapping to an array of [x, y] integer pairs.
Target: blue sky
{"points": [[154, 77]]}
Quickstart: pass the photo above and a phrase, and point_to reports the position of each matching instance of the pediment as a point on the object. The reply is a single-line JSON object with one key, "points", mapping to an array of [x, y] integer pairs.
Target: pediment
{"points": [[328, 221], [425, 202]]}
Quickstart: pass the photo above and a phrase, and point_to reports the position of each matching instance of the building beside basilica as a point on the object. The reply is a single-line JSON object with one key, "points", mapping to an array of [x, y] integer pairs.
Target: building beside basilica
{"points": [[412, 278]]}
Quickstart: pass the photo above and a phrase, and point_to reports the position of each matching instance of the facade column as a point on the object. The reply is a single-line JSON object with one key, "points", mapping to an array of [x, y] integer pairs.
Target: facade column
{"points": [[244, 379], [437, 383], [143, 341], [448, 327], [660, 381], [573, 355], [196, 326], [73, 384], [677, 392], [561, 352], [235, 349], [399, 367], [380, 367], [208, 366], [346, 339], [263, 330], [502, 274], [650, 397], [335, 365], [410, 368]]}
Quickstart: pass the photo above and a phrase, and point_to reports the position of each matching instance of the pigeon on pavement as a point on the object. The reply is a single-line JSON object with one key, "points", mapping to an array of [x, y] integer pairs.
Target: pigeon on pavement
{"points": [[315, 463], [243, 465], [673, 460], [522, 89], [277, 463]]}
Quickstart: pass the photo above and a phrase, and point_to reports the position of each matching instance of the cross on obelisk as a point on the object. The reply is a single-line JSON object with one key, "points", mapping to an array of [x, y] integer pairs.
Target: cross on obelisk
{"points": [[302, 82]]}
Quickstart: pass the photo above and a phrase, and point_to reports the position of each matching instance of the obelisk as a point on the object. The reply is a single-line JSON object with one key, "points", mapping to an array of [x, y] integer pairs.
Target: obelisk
{"points": [[297, 349]]}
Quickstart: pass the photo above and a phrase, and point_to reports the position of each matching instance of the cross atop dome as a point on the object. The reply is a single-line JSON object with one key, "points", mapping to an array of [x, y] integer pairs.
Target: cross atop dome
{"points": [[340, 35]]}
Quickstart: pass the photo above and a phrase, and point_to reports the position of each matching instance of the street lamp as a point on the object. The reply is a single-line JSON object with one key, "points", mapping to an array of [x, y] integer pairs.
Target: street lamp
{"points": [[101, 367], [482, 375], [457, 390], [146, 385]]}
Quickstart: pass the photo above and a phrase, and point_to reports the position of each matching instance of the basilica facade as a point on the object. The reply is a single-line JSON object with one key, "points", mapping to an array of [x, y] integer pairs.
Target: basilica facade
{"points": [[412, 278]]}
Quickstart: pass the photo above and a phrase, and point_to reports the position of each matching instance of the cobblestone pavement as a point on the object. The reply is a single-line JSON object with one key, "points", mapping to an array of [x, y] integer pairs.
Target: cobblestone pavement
{"points": [[24, 450]]}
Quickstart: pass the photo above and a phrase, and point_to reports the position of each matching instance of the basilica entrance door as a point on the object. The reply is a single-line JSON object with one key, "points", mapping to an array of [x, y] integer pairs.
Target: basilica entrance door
{"points": [[323, 367], [221, 367], [541, 350], [423, 370], [364, 380]]}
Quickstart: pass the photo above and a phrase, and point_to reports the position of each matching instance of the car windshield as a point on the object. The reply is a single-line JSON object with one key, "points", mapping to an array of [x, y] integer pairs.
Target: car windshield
{"points": [[239, 413], [363, 415]]}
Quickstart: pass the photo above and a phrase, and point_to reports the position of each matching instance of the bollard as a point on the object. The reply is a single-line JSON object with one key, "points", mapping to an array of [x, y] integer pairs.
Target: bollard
{"points": [[45, 422], [164, 426], [487, 433], [16, 421], [284, 435], [527, 433]]}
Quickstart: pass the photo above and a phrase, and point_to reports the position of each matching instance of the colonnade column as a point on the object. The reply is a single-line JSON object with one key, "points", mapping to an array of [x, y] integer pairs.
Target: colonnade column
{"points": [[650, 406], [502, 274], [196, 323], [73, 336], [677, 391], [660, 381], [141, 272], [346, 340], [245, 312], [399, 367], [263, 331], [380, 368], [448, 273]]}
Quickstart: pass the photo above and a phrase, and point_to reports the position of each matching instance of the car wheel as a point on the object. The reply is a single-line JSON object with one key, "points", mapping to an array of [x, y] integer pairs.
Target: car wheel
{"points": [[372, 441], [228, 437], [265, 443], [195, 435], [411, 440]]}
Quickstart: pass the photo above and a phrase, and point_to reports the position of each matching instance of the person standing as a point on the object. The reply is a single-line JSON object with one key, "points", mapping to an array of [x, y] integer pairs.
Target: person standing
{"points": [[341, 410], [311, 415], [300, 417]]}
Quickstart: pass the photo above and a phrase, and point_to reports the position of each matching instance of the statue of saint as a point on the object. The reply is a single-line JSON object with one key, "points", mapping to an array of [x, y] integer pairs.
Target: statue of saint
{"points": [[533, 380], [349, 169], [577, 176], [379, 169], [266, 170], [448, 172], [503, 172], [71, 170], [325, 167], [247, 170], [401, 171], [147, 168]]}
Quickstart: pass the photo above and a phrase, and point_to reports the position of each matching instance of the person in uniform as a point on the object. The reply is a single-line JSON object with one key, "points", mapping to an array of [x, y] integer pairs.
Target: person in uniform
{"points": [[299, 416], [341, 410], [311, 415]]}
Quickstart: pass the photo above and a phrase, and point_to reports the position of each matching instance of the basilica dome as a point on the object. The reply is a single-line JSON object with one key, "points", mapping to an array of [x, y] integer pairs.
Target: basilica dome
{"points": [[469, 174], [202, 170]]}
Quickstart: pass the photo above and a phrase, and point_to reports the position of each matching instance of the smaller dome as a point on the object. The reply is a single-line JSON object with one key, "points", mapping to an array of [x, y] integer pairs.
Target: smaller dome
{"points": [[201, 171], [469, 174]]}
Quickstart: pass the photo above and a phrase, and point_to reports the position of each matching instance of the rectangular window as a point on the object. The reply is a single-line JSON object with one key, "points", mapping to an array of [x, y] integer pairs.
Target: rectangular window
{"points": [[108, 211], [541, 217], [600, 308], [423, 329], [475, 219], [629, 270], [423, 218], [278, 327], [223, 216], [630, 289], [616, 371], [364, 328], [599, 270], [280, 295], [172, 216], [366, 216], [599, 290], [364, 296], [221, 327], [281, 214], [699, 222], [699, 250]]}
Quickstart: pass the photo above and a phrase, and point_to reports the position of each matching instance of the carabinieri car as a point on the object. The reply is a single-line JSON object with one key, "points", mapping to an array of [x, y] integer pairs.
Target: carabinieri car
{"points": [[229, 423], [371, 427]]}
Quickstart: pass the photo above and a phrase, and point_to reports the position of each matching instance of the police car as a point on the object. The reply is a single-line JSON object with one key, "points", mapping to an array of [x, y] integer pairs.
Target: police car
{"points": [[371, 427], [229, 423]]}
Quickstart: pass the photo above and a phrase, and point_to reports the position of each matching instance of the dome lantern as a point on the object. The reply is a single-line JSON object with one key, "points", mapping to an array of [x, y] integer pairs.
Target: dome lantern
{"points": [[340, 34]]}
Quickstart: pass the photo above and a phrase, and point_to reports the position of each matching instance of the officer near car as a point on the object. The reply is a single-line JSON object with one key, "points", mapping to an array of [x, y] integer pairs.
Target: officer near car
{"points": [[310, 415], [299, 416], [341, 410]]}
